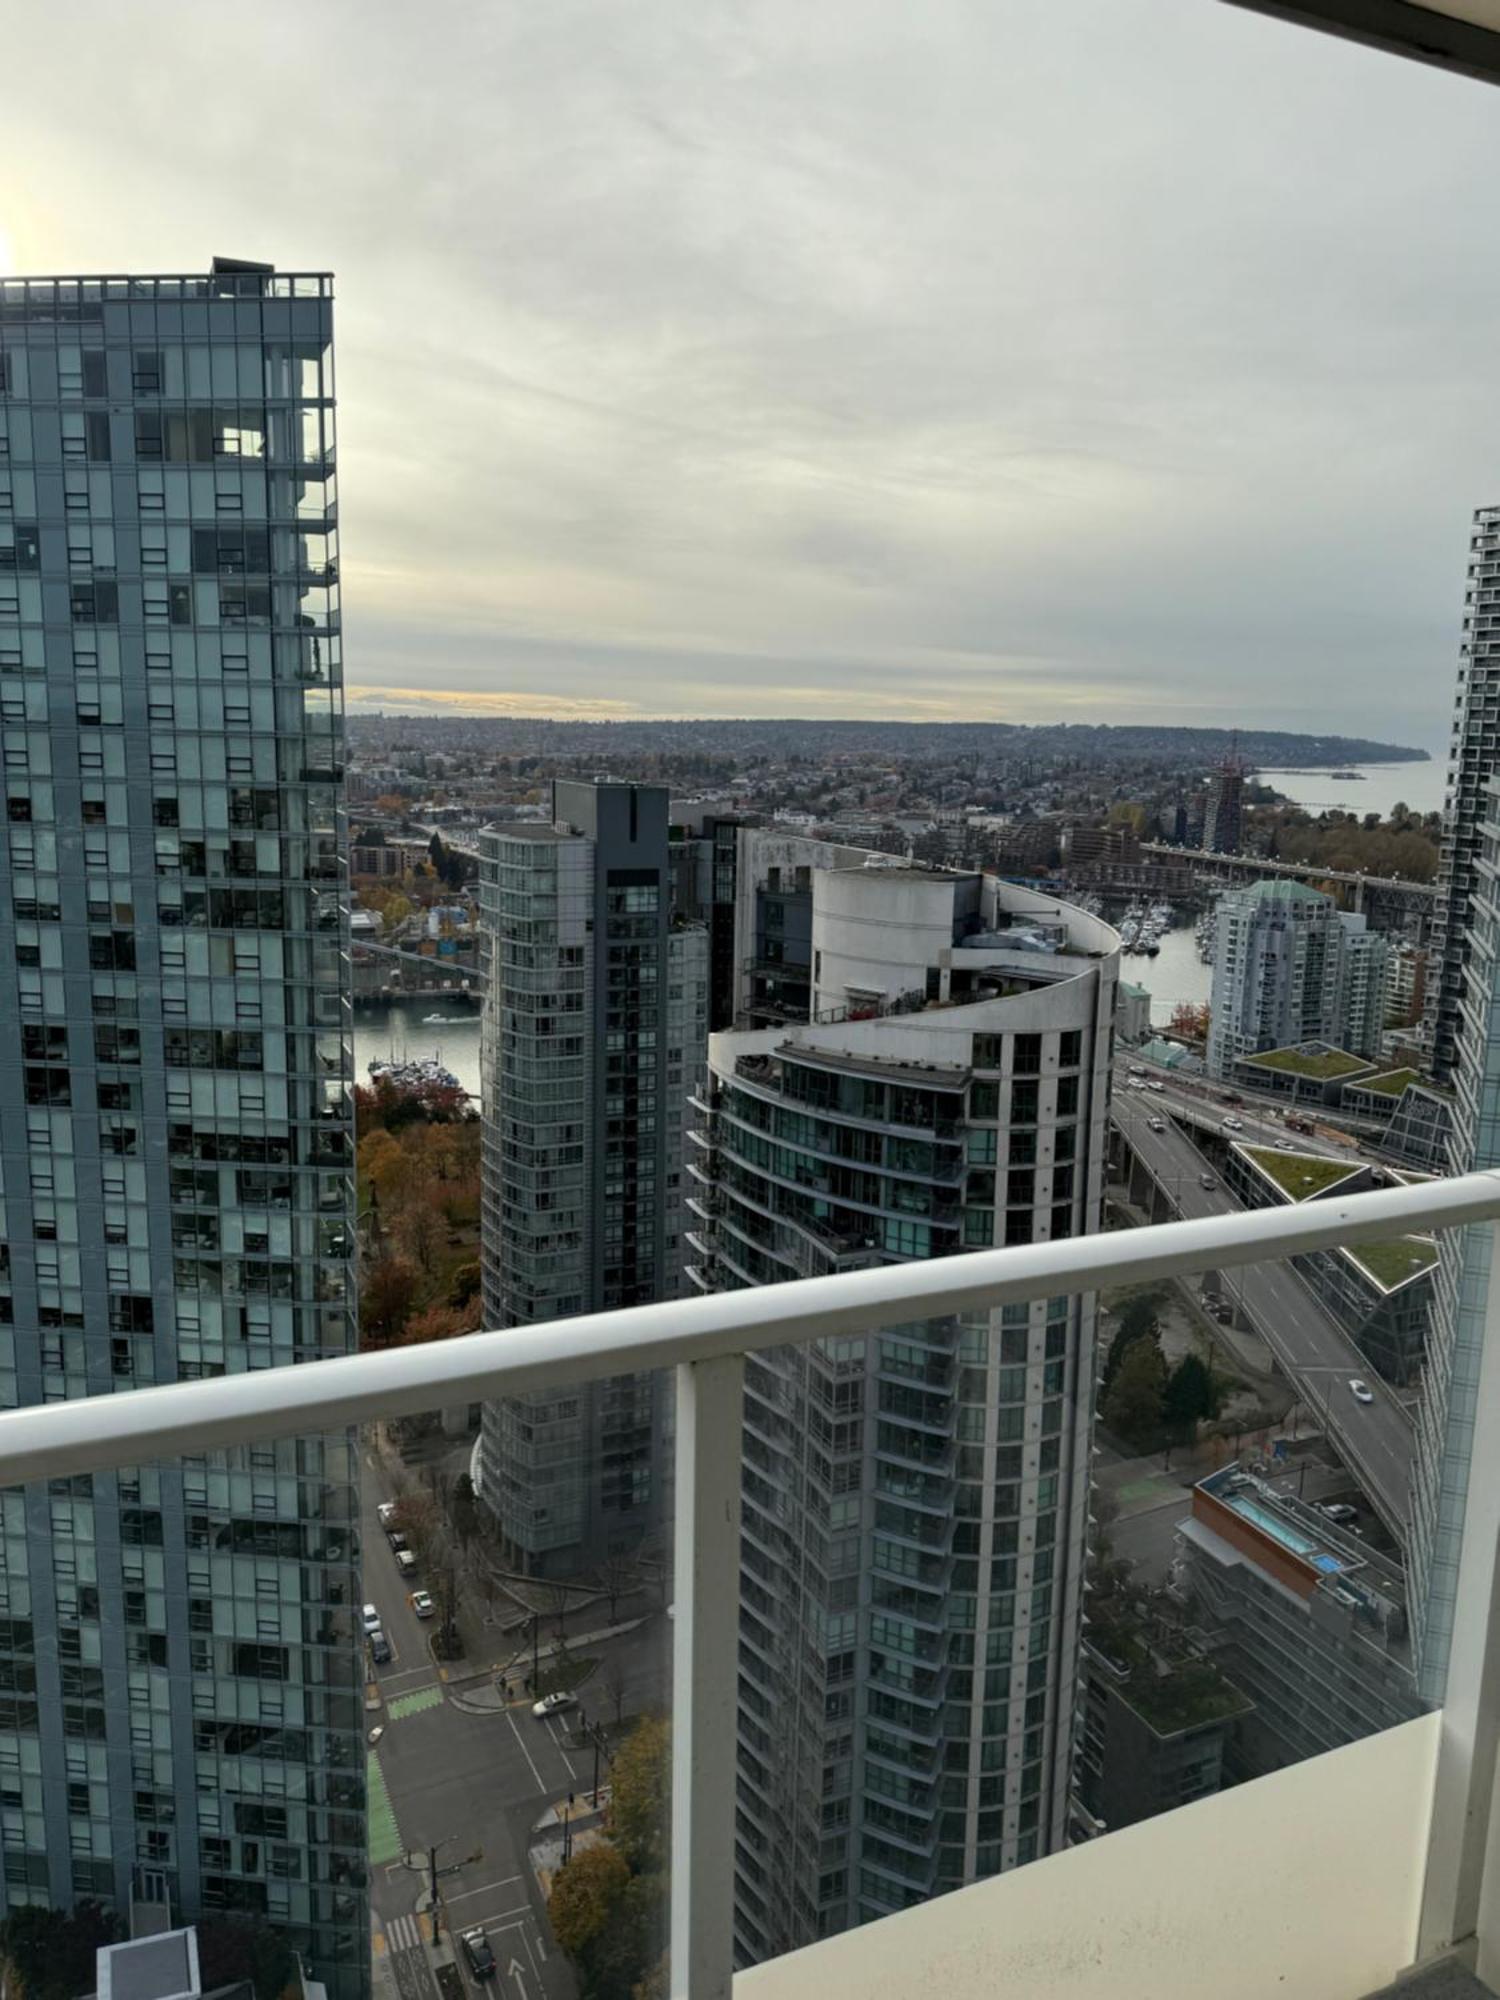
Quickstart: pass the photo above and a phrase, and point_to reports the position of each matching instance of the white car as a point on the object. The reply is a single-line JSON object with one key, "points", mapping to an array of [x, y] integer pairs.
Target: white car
{"points": [[1136, 1082], [385, 1513], [371, 1619], [1157, 1124], [1360, 1390], [1233, 1124], [422, 1604], [1152, 1084], [551, 1703]]}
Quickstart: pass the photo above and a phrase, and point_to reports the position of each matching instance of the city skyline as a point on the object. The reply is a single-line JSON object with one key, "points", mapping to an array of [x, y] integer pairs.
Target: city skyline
{"points": [[788, 370]]}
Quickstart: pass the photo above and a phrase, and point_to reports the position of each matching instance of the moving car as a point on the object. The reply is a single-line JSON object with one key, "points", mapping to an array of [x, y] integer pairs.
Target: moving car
{"points": [[380, 1648], [1338, 1511], [1152, 1084], [551, 1703], [422, 1604], [1207, 1181], [371, 1619], [1157, 1124], [1234, 1124], [1360, 1390], [385, 1513], [477, 1951]]}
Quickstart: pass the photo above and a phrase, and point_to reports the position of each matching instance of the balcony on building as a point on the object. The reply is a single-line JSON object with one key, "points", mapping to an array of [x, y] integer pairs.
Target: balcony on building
{"points": [[1331, 1879]]}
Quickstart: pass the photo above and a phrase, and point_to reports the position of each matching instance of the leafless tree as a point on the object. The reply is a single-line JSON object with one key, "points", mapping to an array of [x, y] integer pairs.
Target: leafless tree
{"points": [[615, 1575]]}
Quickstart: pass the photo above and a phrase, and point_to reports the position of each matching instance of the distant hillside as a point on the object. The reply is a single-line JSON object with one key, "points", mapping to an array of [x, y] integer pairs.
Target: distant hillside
{"points": [[1067, 742]]}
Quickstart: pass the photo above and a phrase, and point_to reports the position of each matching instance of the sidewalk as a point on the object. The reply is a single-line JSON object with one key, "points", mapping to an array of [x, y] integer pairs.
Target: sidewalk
{"points": [[485, 1694]]}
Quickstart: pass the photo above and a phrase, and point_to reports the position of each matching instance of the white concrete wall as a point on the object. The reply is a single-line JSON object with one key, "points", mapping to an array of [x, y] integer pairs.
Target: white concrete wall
{"points": [[1304, 1885], [876, 931]]}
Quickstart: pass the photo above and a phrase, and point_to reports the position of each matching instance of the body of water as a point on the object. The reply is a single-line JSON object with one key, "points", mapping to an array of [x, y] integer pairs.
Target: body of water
{"points": [[1175, 976], [403, 1030], [1377, 788]]}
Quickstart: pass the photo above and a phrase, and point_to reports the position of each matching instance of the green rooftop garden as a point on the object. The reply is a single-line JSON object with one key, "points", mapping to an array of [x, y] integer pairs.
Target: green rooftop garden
{"points": [[1192, 1692], [1391, 1084], [1166, 1684], [1391, 1264], [1319, 1063], [1300, 1175]]}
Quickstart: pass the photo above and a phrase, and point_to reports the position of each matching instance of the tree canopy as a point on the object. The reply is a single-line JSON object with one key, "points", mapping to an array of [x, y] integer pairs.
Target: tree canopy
{"points": [[584, 1894], [1132, 1407], [641, 1792], [50, 1953]]}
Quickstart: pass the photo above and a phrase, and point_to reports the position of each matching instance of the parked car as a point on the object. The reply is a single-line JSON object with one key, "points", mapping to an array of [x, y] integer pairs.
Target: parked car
{"points": [[385, 1513], [406, 1562], [380, 1648], [1339, 1512], [396, 1539], [1360, 1390], [551, 1703], [477, 1951], [371, 1619], [422, 1604]]}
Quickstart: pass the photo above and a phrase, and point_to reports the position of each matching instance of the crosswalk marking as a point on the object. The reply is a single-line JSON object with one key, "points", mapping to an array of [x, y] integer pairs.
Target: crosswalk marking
{"points": [[404, 1933]]}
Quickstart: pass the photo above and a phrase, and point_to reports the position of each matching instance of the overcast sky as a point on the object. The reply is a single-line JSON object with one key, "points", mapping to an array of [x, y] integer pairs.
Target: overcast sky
{"points": [[1018, 359]]}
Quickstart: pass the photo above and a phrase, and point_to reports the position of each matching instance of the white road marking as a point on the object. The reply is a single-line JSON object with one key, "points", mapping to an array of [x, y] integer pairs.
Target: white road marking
{"points": [[404, 1934], [407, 1674], [519, 1924], [536, 1774], [504, 1884], [552, 1732], [500, 1920]]}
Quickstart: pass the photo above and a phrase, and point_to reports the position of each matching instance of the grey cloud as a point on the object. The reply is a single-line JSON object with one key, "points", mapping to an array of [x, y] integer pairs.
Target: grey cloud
{"points": [[1133, 355]]}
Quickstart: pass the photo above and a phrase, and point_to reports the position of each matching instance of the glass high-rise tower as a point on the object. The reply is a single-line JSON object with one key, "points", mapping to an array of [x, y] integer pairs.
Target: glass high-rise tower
{"points": [[180, 1700], [596, 1005]]}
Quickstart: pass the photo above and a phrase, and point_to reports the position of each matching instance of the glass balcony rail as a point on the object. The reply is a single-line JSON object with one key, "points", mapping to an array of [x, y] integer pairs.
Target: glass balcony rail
{"points": [[1329, 1878]]}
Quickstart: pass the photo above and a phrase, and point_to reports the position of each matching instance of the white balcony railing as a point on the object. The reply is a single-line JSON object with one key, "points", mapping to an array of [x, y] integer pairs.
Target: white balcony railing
{"points": [[1327, 1880]]}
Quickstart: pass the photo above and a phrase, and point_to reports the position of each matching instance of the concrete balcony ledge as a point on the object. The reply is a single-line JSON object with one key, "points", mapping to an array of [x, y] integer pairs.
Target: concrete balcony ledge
{"points": [[1306, 1885]]}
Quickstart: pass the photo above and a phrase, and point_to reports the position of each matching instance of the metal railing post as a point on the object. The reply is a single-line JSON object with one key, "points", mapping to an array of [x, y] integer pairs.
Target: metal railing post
{"points": [[705, 1674], [1459, 1858]]}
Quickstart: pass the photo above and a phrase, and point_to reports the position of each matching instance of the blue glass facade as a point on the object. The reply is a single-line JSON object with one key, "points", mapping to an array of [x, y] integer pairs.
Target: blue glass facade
{"points": [[180, 1700]]}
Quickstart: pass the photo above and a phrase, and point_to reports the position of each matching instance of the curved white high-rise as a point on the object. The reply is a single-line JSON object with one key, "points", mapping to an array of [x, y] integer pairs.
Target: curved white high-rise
{"points": [[915, 1501]]}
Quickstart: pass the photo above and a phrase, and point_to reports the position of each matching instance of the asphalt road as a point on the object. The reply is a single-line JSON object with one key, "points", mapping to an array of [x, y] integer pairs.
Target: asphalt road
{"points": [[1198, 1097], [1314, 1351], [476, 1783]]}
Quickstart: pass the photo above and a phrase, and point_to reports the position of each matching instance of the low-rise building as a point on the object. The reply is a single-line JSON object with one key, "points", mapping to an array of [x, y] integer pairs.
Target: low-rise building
{"points": [[1302, 1615], [1132, 1013], [1311, 1072], [1156, 1719], [1380, 1293]]}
